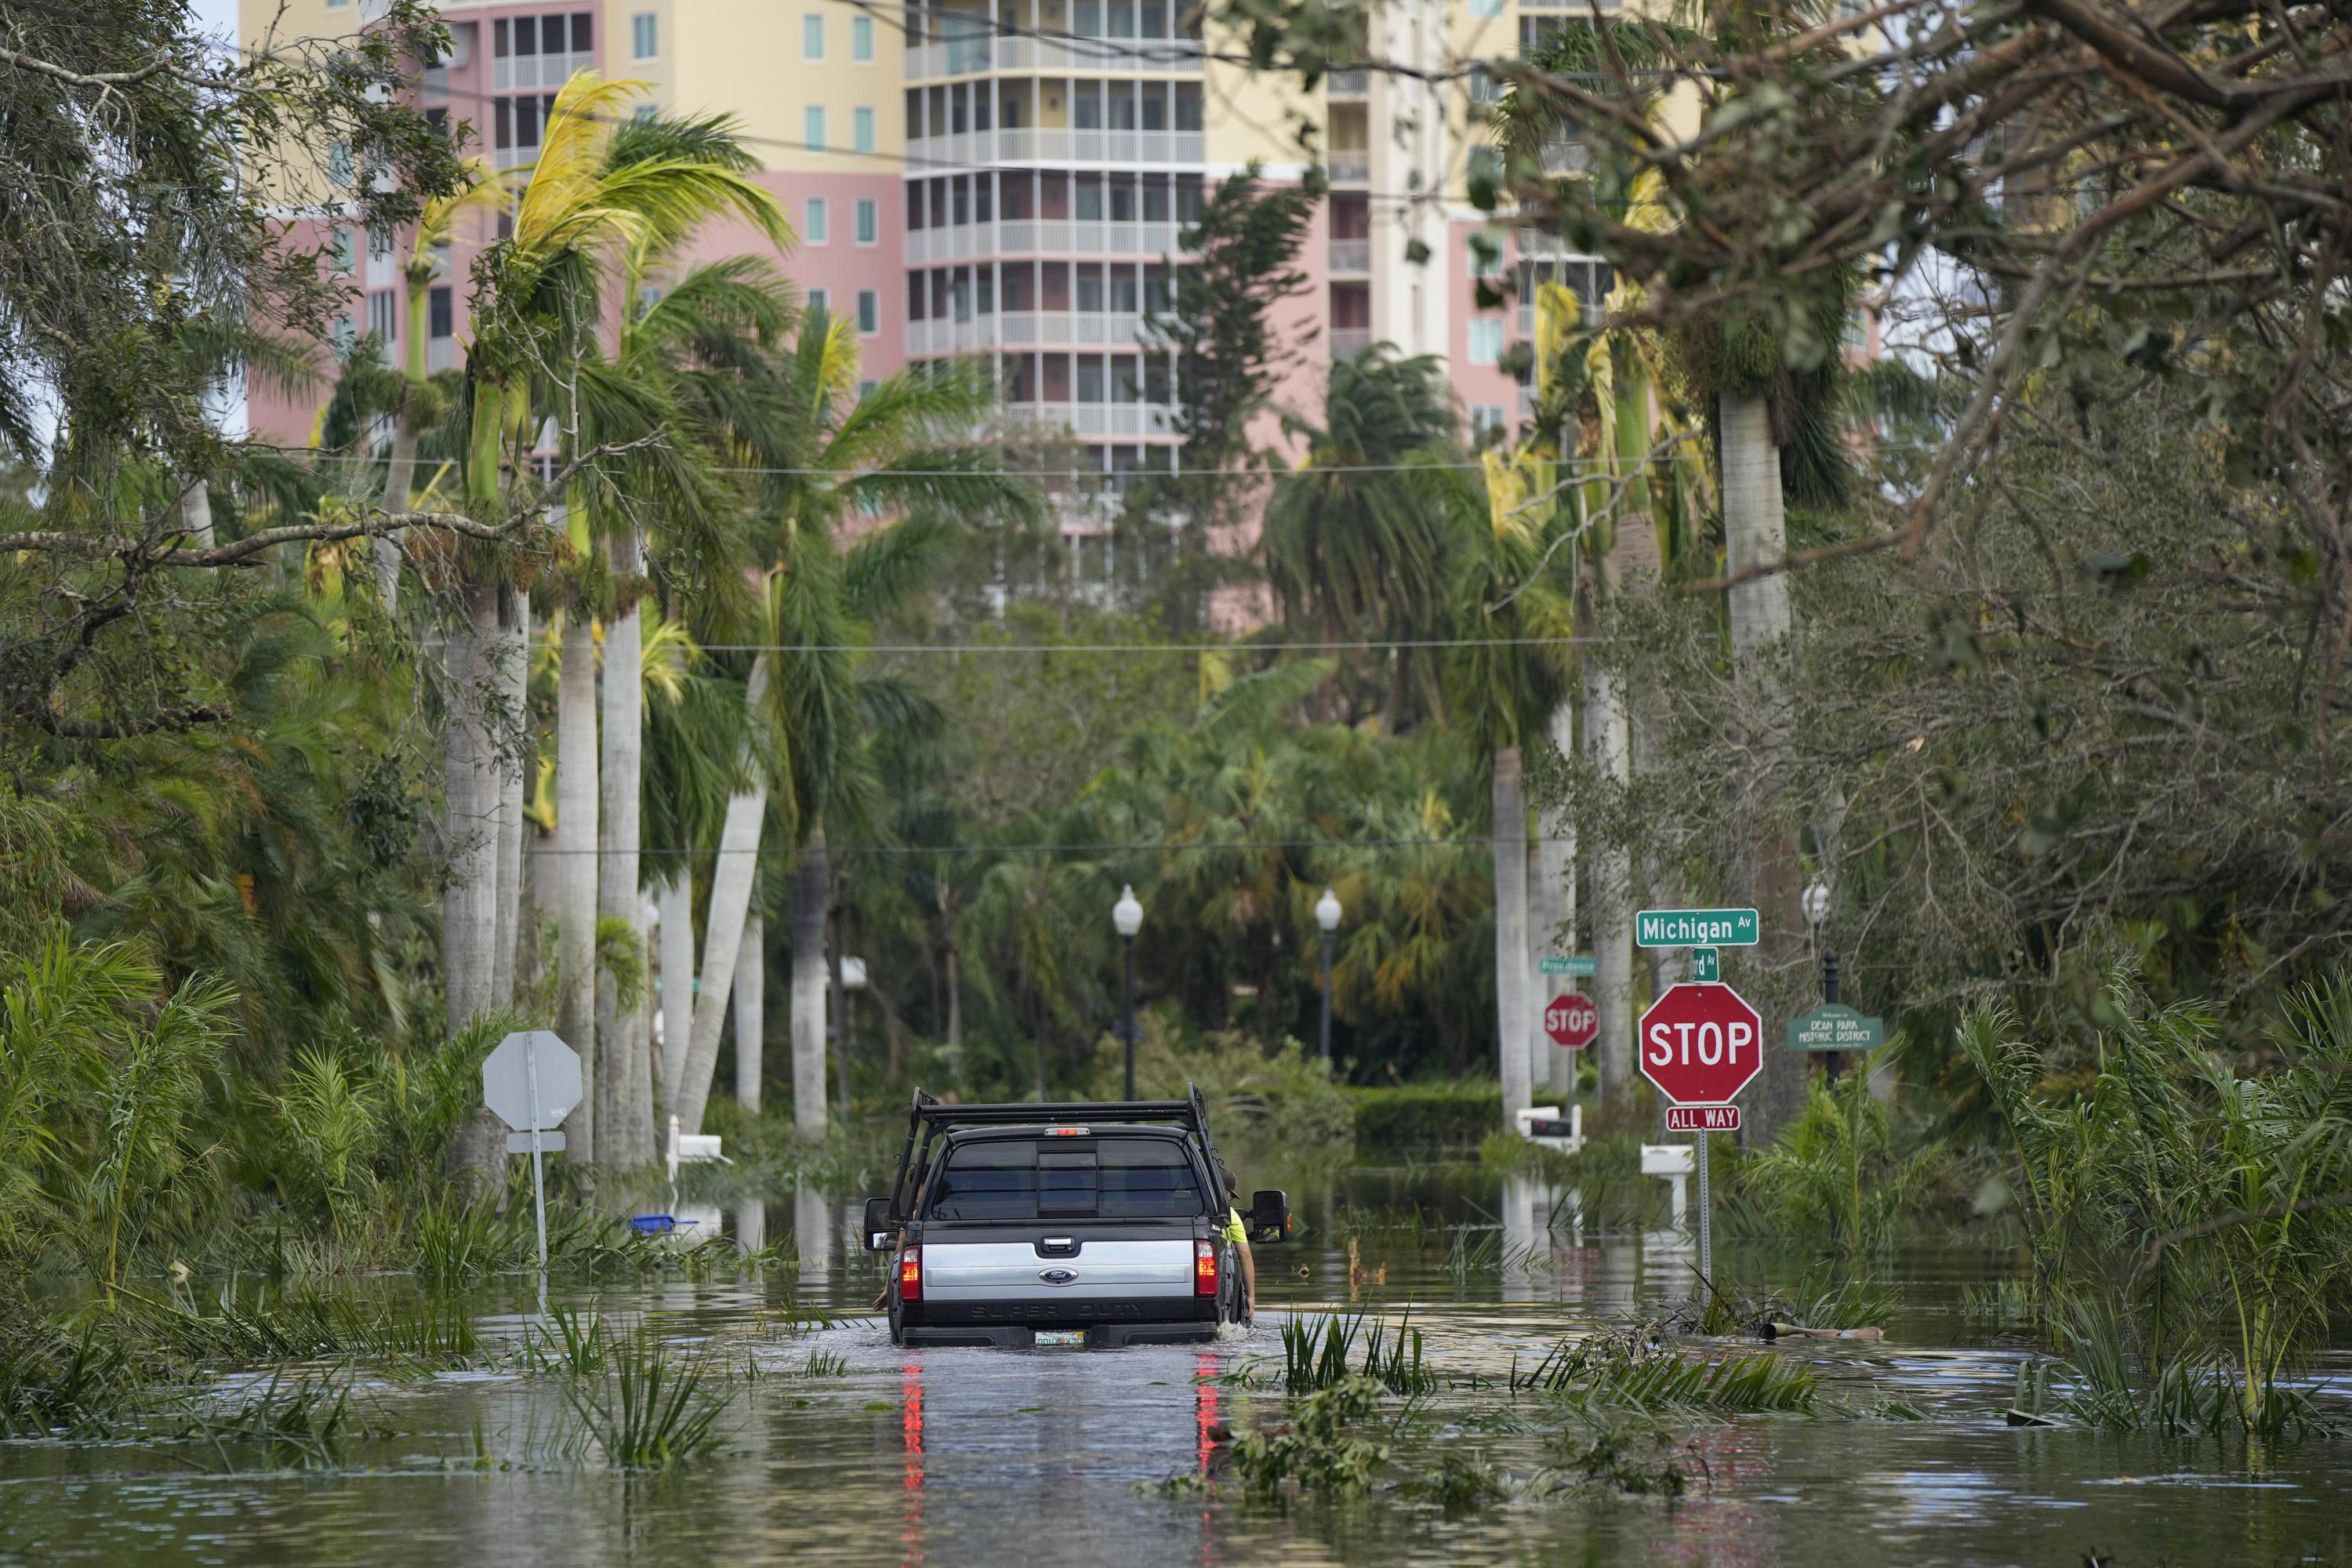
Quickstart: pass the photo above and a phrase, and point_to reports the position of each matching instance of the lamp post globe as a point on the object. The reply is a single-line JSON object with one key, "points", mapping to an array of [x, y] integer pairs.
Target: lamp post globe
{"points": [[1127, 918], [1817, 904], [1327, 916]]}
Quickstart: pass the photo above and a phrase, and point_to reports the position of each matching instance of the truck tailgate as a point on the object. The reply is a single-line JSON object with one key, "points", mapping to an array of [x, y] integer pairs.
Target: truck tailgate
{"points": [[1016, 1270]]}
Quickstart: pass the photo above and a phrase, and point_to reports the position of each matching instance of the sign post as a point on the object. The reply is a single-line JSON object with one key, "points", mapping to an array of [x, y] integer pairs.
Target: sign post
{"points": [[1701, 1045], [531, 1080]]}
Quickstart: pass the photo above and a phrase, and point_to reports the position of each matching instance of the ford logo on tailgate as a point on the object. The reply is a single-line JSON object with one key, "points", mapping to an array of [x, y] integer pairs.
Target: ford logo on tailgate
{"points": [[1057, 1275]]}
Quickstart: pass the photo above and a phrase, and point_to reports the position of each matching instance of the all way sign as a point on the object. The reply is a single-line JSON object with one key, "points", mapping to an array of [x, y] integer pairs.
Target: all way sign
{"points": [[1696, 927]]}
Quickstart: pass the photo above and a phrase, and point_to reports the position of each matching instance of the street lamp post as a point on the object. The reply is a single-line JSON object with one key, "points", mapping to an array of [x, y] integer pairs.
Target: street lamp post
{"points": [[1326, 915], [1817, 909], [1127, 915]]}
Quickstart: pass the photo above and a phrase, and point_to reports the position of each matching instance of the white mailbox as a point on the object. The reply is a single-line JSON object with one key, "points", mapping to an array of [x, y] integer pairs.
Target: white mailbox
{"points": [[1672, 1163]]}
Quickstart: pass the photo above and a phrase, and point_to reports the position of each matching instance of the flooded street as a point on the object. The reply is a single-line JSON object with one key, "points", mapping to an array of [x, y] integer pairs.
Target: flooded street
{"points": [[841, 1449]]}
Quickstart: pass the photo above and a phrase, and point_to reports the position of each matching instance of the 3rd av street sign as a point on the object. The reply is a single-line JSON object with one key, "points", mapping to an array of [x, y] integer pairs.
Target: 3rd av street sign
{"points": [[1572, 1020], [1701, 1044], [1695, 928]]}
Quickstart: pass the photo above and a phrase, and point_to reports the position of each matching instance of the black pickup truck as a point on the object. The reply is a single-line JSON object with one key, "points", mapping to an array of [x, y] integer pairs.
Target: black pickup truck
{"points": [[1100, 1224]]}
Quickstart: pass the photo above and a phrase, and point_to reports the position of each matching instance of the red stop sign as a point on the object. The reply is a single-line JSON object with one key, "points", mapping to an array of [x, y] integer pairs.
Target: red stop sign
{"points": [[1701, 1044], [1572, 1020]]}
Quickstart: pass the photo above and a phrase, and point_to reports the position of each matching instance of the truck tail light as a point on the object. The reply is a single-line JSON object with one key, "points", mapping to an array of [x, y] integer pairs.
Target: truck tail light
{"points": [[910, 1275], [1204, 1268]]}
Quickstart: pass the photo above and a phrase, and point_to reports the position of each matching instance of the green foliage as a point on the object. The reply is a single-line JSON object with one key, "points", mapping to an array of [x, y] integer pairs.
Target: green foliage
{"points": [[649, 1407], [1836, 1171], [2208, 1206], [1425, 1118], [1329, 1449]]}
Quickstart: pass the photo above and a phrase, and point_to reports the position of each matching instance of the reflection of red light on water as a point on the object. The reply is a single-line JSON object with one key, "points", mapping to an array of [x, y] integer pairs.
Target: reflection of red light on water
{"points": [[1205, 1372], [1736, 1533], [910, 1478]]}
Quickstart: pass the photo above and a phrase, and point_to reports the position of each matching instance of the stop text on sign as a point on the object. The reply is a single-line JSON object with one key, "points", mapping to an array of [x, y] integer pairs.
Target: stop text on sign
{"points": [[1700, 1044], [1703, 1119]]}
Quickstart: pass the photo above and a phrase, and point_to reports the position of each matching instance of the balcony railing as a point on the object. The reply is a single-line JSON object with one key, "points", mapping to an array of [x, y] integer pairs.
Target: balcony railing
{"points": [[1099, 419], [440, 354], [1348, 166], [1349, 341], [1119, 56], [518, 73], [1353, 82], [975, 148], [1352, 256], [1052, 236], [1029, 329]]}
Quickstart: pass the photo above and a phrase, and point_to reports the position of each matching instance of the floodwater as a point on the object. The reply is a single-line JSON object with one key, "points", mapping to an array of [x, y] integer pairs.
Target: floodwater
{"points": [[845, 1450]]}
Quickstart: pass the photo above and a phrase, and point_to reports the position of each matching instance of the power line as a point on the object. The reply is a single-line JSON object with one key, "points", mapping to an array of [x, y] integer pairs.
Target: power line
{"points": [[1163, 847], [1371, 646]]}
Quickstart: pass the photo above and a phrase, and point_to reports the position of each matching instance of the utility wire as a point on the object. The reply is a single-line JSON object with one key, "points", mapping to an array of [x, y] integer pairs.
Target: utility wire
{"points": [[1471, 841]]}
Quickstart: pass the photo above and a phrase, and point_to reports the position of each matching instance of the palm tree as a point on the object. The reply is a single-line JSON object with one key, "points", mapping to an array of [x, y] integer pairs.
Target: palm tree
{"points": [[593, 199], [905, 449], [1347, 543]]}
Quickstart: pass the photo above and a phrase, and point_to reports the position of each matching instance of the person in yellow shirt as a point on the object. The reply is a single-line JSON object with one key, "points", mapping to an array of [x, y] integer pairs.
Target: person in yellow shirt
{"points": [[1238, 1233]]}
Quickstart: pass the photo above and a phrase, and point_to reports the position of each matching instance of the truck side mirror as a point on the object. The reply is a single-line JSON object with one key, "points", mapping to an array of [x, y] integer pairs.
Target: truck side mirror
{"points": [[881, 1236], [1269, 1215]]}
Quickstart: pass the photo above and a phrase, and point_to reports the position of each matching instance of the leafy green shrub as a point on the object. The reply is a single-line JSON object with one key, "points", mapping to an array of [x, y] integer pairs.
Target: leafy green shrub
{"points": [[1271, 1104], [1836, 1173], [1325, 1450], [1438, 1119]]}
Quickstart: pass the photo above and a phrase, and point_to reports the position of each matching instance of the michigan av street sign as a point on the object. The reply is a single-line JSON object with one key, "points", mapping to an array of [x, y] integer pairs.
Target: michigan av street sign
{"points": [[1701, 1044], [1696, 927]]}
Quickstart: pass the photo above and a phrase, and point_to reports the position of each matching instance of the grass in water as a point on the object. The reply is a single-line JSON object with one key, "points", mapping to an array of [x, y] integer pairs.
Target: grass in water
{"points": [[650, 1408]]}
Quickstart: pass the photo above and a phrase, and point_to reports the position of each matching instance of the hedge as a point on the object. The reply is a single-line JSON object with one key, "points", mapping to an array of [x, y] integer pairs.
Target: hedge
{"points": [[1426, 1118]]}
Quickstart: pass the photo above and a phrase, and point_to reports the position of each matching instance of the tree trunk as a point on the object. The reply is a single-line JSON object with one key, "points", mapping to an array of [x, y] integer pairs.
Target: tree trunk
{"points": [[1555, 897], [196, 515], [1764, 850], [576, 915], [737, 871], [807, 893], [1612, 899], [676, 900], [625, 1112], [750, 1010], [838, 996], [469, 781], [1512, 1022], [399, 479], [516, 762]]}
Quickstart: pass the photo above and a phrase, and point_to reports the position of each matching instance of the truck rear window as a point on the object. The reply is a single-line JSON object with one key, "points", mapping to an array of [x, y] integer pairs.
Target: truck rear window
{"points": [[1024, 1179]]}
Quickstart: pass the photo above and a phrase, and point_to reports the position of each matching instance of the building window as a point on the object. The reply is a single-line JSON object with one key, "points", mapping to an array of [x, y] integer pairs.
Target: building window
{"points": [[644, 36], [820, 223], [383, 311], [1485, 339], [441, 312], [861, 40], [869, 312], [1489, 9], [346, 251], [869, 221], [820, 302], [861, 128], [1485, 422], [340, 168], [865, 388], [345, 334], [812, 37], [813, 127]]}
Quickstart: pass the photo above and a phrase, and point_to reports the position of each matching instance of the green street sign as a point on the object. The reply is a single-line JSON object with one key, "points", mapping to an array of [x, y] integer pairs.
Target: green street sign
{"points": [[1833, 1027], [1696, 927], [1553, 963], [1707, 965]]}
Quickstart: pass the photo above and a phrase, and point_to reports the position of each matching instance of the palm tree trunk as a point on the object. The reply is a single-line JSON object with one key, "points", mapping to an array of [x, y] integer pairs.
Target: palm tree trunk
{"points": [[515, 765], [807, 893], [750, 1010], [1764, 850], [1513, 1024], [400, 478], [576, 805], [1555, 897], [469, 782], [1612, 897], [196, 514], [677, 901], [625, 1111], [837, 996], [731, 880]]}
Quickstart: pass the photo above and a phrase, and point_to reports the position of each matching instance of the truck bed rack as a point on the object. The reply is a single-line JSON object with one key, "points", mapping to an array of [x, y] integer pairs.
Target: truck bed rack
{"points": [[928, 1117]]}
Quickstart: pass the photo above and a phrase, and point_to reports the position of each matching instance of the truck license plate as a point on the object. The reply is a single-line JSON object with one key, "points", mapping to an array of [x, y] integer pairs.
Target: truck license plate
{"points": [[1061, 1337]]}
